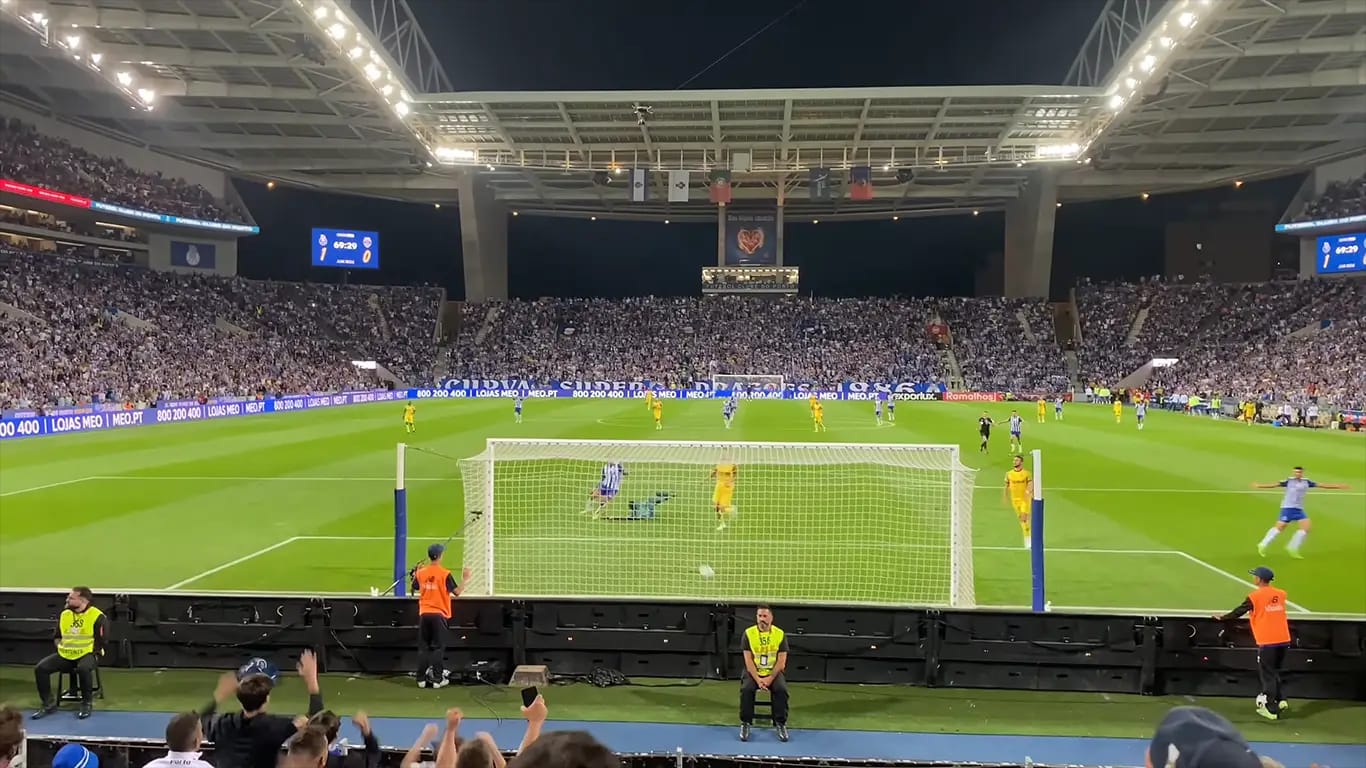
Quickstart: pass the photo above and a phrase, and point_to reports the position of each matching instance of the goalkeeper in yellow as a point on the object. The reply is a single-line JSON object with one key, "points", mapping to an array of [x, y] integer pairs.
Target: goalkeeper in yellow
{"points": [[723, 495], [1019, 491], [409, 417]]}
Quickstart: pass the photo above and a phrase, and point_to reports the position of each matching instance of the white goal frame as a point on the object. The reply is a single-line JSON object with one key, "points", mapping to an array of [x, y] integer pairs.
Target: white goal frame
{"points": [[479, 493], [769, 382]]}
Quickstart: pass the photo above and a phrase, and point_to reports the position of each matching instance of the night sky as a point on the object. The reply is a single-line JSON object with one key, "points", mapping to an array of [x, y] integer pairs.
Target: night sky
{"points": [[614, 45]]}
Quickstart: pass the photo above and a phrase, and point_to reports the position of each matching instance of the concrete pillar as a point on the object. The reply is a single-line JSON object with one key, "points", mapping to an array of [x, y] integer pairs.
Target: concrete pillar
{"points": [[720, 235], [483, 239], [780, 225], [1029, 236]]}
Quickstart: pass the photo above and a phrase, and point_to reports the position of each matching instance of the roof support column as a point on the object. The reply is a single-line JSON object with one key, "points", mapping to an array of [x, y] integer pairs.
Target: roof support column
{"points": [[483, 239], [1029, 236]]}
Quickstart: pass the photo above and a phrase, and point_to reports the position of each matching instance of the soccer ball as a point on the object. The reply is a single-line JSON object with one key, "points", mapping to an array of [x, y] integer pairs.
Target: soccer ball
{"points": [[1261, 700], [706, 571]]}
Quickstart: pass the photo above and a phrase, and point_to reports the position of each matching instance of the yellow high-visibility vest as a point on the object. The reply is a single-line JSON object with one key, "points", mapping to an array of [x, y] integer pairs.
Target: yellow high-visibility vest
{"points": [[78, 632], [764, 646]]}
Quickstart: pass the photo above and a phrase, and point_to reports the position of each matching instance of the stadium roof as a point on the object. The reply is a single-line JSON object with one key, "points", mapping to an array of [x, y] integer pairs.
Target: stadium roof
{"points": [[352, 98]]}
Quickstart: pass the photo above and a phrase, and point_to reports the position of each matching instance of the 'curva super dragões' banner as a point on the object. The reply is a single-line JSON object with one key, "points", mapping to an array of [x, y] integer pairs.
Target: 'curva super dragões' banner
{"points": [[701, 386]]}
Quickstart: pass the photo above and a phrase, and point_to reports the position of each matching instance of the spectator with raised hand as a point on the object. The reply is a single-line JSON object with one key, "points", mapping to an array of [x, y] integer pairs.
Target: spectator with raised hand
{"points": [[413, 757], [329, 724], [252, 737], [567, 749]]}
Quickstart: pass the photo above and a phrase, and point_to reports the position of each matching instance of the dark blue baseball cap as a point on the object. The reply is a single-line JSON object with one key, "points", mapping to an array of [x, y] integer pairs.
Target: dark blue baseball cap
{"points": [[75, 756], [259, 666], [1195, 737], [1263, 573], [435, 551]]}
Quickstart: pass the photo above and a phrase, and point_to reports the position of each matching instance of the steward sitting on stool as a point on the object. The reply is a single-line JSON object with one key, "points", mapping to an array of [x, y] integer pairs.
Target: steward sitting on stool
{"points": [[81, 633], [765, 649]]}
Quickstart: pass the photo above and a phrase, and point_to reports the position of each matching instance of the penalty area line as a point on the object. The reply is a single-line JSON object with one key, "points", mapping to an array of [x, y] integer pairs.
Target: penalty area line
{"points": [[1234, 577], [44, 487], [232, 563]]}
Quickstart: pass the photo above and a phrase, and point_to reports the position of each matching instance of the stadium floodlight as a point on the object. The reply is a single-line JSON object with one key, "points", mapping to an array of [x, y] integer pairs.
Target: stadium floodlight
{"points": [[454, 153], [338, 31], [38, 18], [73, 42], [125, 79], [320, 12], [873, 524], [401, 108], [372, 72], [386, 89], [1116, 102], [356, 52], [147, 95], [1148, 63], [1057, 151], [96, 58], [1186, 19]]}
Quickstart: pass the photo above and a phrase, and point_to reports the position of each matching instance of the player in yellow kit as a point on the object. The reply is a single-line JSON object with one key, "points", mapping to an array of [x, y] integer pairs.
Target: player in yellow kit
{"points": [[812, 401], [409, 414], [657, 408], [1118, 408], [1019, 491], [649, 399], [818, 416], [1042, 409], [723, 495]]}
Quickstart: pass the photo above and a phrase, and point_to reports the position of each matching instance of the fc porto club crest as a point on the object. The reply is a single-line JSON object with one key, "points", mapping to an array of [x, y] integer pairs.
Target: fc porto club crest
{"points": [[750, 240], [192, 255]]}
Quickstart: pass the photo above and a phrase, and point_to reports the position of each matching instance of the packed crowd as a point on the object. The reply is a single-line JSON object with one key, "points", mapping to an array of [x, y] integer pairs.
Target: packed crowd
{"points": [[1005, 345], [1339, 198], [682, 340], [1233, 339], [44, 221], [85, 332], [34, 158]]}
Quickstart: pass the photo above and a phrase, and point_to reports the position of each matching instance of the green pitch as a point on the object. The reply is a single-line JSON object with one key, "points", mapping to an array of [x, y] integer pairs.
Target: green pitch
{"points": [[1158, 520]]}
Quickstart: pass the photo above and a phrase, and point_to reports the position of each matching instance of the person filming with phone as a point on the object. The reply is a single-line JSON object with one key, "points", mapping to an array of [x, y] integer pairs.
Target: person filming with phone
{"points": [[765, 649]]}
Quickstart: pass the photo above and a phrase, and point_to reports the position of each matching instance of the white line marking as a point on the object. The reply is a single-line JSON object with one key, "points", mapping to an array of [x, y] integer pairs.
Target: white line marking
{"points": [[1236, 578], [247, 479], [366, 538], [1127, 610], [45, 487], [232, 563]]}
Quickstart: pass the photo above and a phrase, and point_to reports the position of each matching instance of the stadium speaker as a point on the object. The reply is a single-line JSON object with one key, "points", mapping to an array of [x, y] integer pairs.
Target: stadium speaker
{"points": [[905, 175], [602, 178]]}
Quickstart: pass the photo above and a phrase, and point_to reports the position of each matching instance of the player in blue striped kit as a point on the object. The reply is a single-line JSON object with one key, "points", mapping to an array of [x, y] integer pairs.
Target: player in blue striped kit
{"points": [[728, 410], [1292, 510], [877, 410], [517, 409], [1057, 408], [1016, 425], [891, 411], [1141, 412], [608, 488]]}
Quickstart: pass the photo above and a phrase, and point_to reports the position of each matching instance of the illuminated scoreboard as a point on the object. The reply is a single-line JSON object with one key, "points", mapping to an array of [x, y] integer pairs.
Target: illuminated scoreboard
{"points": [[345, 248], [1337, 254]]}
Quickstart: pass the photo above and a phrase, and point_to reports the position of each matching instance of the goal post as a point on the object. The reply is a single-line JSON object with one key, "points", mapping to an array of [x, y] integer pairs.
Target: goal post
{"points": [[832, 523], [748, 381]]}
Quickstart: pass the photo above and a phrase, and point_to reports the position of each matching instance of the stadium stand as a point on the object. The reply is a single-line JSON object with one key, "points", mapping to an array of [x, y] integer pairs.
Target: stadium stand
{"points": [[33, 158], [1339, 198], [681, 340], [1005, 345], [87, 331]]}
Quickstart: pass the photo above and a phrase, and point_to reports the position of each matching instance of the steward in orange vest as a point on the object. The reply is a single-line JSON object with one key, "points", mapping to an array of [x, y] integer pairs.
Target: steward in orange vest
{"points": [[1271, 631], [434, 587]]}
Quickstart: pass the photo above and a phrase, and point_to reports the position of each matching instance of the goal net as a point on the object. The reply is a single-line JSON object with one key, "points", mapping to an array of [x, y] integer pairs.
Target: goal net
{"points": [[803, 522], [747, 381]]}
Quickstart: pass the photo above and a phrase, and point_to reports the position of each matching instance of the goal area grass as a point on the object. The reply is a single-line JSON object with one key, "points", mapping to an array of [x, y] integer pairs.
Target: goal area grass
{"points": [[1153, 521]]}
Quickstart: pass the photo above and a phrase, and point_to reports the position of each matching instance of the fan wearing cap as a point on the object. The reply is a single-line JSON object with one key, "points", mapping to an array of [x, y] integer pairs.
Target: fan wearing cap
{"points": [[75, 756], [434, 587], [1195, 737], [1265, 611], [252, 737]]}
